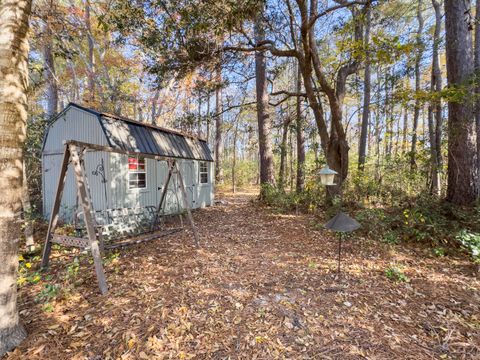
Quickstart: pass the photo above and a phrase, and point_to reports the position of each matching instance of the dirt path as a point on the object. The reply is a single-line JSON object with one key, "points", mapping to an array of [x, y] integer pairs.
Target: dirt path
{"points": [[263, 286]]}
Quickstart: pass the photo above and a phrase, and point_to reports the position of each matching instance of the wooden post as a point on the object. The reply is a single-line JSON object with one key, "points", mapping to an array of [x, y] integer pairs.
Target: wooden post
{"points": [[186, 205], [55, 208], [164, 193], [87, 214]]}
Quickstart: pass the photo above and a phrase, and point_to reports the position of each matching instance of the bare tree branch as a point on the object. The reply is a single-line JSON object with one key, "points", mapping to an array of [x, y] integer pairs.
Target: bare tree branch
{"points": [[341, 4], [233, 107]]}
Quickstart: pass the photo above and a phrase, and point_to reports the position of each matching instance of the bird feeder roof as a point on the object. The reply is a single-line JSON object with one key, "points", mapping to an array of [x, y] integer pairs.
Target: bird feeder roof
{"points": [[342, 223], [327, 171]]}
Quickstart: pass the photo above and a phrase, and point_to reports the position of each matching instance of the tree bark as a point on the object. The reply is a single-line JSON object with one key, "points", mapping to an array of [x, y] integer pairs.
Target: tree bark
{"points": [[300, 125], [75, 94], [14, 16], [388, 116], [362, 149], [418, 60], [155, 110], [477, 81], [335, 144], [91, 55], [267, 176], [405, 129], [283, 154], [435, 106], [291, 173], [49, 71], [218, 129], [208, 118], [27, 212], [234, 160], [377, 138], [463, 186], [199, 120]]}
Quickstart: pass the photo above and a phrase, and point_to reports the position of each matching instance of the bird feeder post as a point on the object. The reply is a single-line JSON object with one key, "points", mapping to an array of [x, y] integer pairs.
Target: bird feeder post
{"points": [[341, 223], [340, 238]]}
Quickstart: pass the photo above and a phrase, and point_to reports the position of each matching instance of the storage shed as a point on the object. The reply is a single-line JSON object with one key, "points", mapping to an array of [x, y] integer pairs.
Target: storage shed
{"points": [[119, 181]]}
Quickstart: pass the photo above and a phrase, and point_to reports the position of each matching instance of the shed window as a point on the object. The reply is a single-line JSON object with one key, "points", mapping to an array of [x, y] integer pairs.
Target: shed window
{"points": [[203, 171], [137, 174]]}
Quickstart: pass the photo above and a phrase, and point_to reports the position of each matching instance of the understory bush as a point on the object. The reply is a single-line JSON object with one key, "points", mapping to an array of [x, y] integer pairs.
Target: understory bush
{"points": [[280, 200], [470, 241], [395, 273], [391, 212]]}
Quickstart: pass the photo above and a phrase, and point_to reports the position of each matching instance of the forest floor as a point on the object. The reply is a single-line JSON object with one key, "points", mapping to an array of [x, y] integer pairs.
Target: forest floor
{"points": [[263, 286]]}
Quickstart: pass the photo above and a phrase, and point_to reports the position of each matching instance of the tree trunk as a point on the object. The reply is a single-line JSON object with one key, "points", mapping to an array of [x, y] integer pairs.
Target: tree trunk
{"points": [[263, 117], [91, 55], [283, 155], [75, 95], [14, 16], [378, 139], [462, 183], [418, 60], [208, 118], [300, 125], [155, 109], [362, 149], [477, 81], [49, 72], [435, 107], [234, 160], [334, 144], [337, 159], [27, 212], [388, 116], [405, 129], [218, 129], [291, 173], [199, 120]]}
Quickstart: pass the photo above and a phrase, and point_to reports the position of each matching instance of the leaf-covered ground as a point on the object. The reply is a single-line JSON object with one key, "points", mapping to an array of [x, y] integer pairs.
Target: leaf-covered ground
{"points": [[263, 286]]}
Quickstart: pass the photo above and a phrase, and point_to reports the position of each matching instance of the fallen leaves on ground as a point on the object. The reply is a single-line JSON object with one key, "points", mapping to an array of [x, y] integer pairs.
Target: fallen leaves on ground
{"points": [[262, 286]]}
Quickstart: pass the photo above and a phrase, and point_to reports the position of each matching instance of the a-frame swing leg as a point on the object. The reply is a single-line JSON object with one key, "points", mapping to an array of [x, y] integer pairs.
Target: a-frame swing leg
{"points": [[162, 197], [186, 205], [87, 213], [56, 206]]}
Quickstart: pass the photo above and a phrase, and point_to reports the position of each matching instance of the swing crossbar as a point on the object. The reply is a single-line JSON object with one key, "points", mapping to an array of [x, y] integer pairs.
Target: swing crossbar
{"points": [[111, 149]]}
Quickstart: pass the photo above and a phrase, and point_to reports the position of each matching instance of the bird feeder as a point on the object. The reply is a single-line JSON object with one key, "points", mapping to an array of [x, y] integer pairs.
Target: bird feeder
{"points": [[341, 223], [327, 176]]}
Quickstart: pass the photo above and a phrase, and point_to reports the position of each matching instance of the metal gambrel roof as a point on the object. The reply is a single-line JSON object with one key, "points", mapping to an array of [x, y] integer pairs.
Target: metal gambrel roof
{"points": [[134, 136]]}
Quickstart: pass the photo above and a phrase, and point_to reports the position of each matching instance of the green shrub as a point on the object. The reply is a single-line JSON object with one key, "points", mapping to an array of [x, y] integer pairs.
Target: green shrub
{"points": [[439, 251], [391, 238], [72, 269], [470, 241], [27, 272], [395, 273], [49, 292]]}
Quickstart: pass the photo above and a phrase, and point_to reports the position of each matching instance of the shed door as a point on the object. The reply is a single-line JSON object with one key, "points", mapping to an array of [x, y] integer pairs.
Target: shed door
{"points": [[173, 199], [188, 174]]}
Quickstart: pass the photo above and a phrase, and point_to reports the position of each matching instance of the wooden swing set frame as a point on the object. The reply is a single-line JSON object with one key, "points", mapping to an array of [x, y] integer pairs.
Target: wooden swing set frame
{"points": [[73, 153]]}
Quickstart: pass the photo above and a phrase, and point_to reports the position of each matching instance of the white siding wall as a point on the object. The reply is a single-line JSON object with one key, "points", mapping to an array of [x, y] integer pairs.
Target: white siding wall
{"points": [[122, 196], [198, 195], [99, 191], [74, 124]]}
